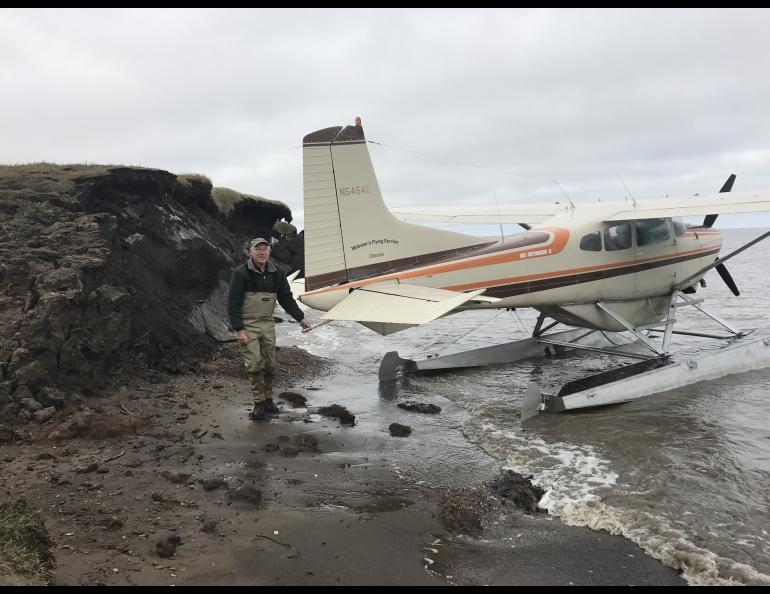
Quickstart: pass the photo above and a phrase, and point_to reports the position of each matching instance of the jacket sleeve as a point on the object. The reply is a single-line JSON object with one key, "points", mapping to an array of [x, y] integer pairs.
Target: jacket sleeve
{"points": [[235, 300], [286, 299]]}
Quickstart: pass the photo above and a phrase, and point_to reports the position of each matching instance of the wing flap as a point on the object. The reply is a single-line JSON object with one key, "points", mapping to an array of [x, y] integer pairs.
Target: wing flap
{"points": [[386, 303]]}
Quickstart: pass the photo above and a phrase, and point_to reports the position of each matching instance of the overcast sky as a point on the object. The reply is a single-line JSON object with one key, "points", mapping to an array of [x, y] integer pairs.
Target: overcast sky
{"points": [[469, 105]]}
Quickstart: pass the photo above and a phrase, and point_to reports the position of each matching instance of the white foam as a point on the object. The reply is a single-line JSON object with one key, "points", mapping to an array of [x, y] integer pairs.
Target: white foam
{"points": [[668, 544]]}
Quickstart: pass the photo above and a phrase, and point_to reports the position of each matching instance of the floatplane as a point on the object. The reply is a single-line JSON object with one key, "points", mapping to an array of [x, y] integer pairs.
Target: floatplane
{"points": [[599, 269]]}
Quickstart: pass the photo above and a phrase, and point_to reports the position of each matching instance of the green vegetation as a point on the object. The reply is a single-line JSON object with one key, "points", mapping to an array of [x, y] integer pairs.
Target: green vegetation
{"points": [[226, 199], [188, 179], [25, 555], [284, 228]]}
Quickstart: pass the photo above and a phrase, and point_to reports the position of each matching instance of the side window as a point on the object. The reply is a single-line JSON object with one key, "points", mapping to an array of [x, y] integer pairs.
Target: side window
{"points": [[591, 242], [649, 231], [617, 237], [679, 227]]}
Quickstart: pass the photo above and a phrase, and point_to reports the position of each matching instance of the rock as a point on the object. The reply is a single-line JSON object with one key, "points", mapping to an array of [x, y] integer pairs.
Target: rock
{"points": [[51, 396], [41, 416], [167, 547], [31, 404], [398, 430], [420, 407]]}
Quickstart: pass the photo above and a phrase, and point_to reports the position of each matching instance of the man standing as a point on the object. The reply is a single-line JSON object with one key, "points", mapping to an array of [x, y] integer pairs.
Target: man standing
{"points": [[254, 288]]}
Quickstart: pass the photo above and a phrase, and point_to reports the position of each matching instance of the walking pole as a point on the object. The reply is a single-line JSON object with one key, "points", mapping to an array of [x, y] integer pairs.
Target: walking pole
{"points": [[317, 325]]}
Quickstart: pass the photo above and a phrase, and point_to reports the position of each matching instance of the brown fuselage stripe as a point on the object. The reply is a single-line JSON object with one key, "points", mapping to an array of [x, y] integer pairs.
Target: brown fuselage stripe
{"points": [[495, 252], [585, 277], [361, 272]]}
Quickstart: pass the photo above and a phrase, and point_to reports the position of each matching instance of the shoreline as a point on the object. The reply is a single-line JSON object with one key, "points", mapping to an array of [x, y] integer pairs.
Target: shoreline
{"points": [[300, 499]]}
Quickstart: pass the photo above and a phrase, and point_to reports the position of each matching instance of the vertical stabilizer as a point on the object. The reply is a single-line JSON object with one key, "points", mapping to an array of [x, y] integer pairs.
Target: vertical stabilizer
{"points": [[349, 232]]}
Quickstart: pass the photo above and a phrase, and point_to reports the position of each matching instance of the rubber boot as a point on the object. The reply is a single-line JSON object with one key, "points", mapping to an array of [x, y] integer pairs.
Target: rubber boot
{"points": [[258, 412]]}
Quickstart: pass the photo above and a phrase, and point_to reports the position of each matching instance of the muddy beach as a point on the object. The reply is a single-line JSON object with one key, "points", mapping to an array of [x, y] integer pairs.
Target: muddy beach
{"points": [[166, 481]]}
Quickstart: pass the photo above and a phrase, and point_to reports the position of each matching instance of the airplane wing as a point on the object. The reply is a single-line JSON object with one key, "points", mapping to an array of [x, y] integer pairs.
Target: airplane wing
{"points": [[511, 213], [390, 307], [720, 203]]}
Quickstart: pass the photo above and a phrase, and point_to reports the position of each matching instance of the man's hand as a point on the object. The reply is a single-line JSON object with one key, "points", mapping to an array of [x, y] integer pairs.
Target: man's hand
{"points": [[242, 336], [305, 325]]}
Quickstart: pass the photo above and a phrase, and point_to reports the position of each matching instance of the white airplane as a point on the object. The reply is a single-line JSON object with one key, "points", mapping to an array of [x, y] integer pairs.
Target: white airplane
{"points": [[618, 267]]}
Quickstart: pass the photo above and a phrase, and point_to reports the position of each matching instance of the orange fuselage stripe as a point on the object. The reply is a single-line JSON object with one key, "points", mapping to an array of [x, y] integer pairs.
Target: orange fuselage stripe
{"points": [[556, 245]]}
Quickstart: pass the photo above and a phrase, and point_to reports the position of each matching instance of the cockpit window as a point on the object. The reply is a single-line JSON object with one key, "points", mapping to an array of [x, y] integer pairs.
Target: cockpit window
{"points": [[649, 231], [617, 237], [591, 242]]}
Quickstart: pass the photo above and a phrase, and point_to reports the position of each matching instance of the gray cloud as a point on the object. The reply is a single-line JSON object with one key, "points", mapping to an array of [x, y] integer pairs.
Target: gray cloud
{"points": [[468, 104]]}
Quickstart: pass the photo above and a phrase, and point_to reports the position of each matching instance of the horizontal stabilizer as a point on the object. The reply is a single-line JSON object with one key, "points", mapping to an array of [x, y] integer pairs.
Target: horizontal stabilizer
{"points": [[297, 286], [513, 213], [719, 203], [392, 306]]}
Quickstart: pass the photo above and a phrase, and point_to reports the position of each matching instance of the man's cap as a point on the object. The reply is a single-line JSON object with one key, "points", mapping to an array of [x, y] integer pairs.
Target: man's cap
{"points": [[258, 240]]}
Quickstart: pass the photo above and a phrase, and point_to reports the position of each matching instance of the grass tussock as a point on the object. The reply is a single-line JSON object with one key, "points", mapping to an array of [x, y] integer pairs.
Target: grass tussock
{"points": [[25, 548], [226, 199], [188, 179]]}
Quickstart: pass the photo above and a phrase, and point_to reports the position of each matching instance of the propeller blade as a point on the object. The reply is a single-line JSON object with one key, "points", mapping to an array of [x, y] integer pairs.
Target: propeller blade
{"points": [[728, 184], [722, 270], [709, 221]]}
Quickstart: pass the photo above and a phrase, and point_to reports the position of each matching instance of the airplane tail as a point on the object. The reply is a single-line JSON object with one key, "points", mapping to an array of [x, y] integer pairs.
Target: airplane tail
{"points": [[349, 232]]}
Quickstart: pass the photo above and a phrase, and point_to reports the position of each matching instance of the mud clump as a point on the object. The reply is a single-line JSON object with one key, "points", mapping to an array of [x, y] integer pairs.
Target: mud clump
{"points": [[463, 511], [305, 441], [246, 495], [296, 400], [420, 407], [519, 489], [92, 425], [399, 430], [212, 484], [166, 548], [339, 412]]}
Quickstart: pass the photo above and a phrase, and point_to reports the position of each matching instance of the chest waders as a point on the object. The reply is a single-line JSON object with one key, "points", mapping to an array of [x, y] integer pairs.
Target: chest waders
{"points": [[258, 352]]}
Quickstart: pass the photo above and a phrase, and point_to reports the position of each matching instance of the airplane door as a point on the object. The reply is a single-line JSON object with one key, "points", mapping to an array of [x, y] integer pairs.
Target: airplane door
{"points": [[618, 261], [654, 245]]}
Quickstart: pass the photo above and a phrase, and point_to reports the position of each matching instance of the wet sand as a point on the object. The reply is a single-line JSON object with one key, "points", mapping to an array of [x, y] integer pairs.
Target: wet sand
{"points": [[299, 499]]}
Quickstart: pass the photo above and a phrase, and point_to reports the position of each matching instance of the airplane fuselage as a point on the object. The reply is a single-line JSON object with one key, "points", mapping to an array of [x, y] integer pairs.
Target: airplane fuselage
{"points": [[564, 268]]}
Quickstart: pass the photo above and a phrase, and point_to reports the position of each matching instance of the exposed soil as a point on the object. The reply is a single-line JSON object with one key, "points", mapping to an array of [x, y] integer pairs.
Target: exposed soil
{"points": [[140, 486]]}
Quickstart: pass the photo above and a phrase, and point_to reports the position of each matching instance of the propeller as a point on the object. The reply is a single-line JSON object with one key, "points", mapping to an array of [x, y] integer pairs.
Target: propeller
{"points": [[722, 270], [708, 222]]}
